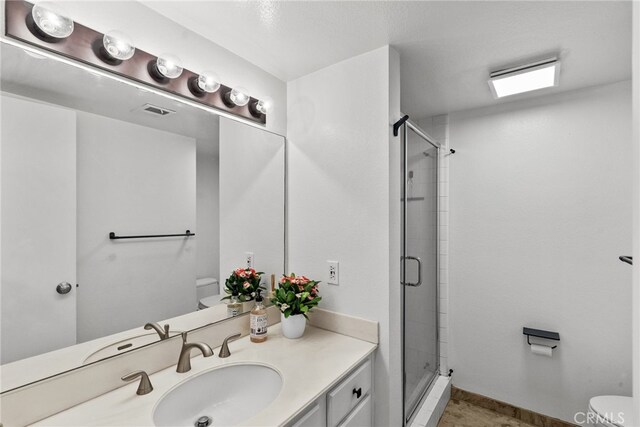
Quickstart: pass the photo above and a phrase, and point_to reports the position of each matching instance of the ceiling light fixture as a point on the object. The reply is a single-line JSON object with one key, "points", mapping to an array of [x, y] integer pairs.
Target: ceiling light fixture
{"points": [[205, 82], [51, 22], [166, 67], [118, 46], [525, 78], [238, 96]]}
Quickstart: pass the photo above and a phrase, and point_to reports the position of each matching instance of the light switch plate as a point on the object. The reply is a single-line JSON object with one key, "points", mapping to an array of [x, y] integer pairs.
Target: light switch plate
{"points": [[248, 256], [333, 273]]}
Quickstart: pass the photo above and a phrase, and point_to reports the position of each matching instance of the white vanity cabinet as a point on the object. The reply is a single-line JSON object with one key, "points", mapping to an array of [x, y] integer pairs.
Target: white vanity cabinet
{"points": [[347, 404]]}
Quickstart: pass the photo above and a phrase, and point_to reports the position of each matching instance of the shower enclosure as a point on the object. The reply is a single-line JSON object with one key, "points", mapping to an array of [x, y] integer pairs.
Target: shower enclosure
{"points": [[419, 269]]}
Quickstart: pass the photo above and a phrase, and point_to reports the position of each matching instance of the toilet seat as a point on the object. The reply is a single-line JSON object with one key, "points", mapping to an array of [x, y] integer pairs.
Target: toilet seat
{"points": [[209, 301], [612, 411]]}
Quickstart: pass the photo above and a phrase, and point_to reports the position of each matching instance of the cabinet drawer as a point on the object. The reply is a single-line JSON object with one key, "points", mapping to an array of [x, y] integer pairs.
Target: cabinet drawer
{"points": [[346, 395], [361, 416]]}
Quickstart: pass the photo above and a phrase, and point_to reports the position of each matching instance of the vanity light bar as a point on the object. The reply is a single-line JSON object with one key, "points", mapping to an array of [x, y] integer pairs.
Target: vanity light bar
{"points": [[88, 46]]}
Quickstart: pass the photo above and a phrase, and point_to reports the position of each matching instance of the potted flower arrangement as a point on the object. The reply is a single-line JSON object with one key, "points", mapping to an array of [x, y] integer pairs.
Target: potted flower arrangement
{"points": [[243, 283], [295, 297]]}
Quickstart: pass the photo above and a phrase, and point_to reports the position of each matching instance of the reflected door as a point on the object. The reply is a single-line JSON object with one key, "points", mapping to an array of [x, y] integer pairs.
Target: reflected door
{"points": [[420, 269], [38, 228]]}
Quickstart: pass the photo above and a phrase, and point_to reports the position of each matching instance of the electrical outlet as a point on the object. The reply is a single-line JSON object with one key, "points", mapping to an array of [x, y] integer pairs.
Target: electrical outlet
{"points": [[333, 273], [248, 257]]}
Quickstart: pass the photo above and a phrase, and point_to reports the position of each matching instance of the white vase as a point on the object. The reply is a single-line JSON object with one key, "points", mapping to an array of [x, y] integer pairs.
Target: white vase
{"points": [[247, 306], [293, 326]]}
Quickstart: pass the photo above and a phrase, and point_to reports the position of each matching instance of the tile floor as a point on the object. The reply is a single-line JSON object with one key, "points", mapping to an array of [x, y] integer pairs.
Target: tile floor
{"points": [[464, 414]]}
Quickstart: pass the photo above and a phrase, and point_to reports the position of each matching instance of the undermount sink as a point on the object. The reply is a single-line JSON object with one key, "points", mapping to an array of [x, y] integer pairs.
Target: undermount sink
{"points": [[220, 397], [124, 345]]}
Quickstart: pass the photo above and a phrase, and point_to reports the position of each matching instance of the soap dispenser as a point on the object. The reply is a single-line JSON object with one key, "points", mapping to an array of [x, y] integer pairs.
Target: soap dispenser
{"points": [[258, 320], [234, 306]]}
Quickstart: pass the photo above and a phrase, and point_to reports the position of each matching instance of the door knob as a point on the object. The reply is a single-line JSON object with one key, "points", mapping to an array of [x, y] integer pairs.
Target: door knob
{"points": [[63, 288]]}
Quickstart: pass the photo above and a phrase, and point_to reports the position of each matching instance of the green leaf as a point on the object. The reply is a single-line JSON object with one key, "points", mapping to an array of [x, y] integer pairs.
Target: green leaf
{"points": [[290, 297]]}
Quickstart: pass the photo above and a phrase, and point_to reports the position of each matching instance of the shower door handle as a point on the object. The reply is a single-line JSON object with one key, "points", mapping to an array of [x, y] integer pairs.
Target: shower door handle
{"points": [[419, 261]]}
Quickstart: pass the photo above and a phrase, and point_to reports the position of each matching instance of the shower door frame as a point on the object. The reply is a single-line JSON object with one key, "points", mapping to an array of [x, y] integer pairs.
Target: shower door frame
{"points": [[406, 126]]}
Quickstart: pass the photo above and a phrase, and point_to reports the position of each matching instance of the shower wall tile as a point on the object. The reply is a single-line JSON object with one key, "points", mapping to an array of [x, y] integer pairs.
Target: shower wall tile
{"points": [[438, 128]]}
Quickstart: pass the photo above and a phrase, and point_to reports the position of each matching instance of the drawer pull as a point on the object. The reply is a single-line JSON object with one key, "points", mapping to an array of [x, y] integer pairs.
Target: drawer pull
{"points": [[357, 392]]}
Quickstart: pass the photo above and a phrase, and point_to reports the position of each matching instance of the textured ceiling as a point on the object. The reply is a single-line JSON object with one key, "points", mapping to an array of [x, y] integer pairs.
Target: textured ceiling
{"points": [[447, 48]]}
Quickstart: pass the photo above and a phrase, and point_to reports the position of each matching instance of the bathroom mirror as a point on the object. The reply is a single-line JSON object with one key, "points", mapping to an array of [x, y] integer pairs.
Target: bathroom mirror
{"points": [[121, 206]]}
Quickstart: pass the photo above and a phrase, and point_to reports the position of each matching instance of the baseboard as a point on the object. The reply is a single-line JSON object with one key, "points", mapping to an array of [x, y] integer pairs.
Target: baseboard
{"points": [[507, 409]]}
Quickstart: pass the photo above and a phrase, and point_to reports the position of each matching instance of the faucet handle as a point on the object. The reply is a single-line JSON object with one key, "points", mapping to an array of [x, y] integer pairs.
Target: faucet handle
{"points": [[184, 337], [166, 331], [145, 386], [224, 351]]}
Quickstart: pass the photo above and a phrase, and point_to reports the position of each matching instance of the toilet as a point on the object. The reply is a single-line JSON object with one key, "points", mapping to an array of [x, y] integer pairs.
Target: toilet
{"points": [[610, 411], [208, 292]]}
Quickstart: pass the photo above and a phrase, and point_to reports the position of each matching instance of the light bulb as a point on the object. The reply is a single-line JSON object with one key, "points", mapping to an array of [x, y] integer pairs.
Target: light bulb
{"points": [[118, 45], [169, 66], [264, 105], [52, 20], [208, 82], [239, 96]]}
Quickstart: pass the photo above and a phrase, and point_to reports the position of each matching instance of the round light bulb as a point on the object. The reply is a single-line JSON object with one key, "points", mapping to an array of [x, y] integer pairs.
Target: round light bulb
{"points": [[264, 105], [118, 45], [169, 66], [208, 81], [52, 20], [239, 96]]}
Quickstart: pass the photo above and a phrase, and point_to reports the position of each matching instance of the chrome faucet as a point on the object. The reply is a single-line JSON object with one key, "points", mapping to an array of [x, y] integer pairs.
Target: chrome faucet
{"points": [[162, 334], [145, 386], [184, 361]]}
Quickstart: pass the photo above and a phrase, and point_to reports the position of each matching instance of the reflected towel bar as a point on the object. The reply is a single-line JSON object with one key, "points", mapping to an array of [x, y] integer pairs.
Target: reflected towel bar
{"points": [[113, 236]]}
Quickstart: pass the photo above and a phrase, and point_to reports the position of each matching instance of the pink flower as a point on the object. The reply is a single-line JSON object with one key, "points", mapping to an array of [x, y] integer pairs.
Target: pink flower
{"points": [[246, 285], [284, 279]]}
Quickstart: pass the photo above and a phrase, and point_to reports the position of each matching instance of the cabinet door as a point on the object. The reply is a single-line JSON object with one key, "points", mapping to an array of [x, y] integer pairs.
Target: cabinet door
{"points": [[38, 228], [314, 417], [361, 415]]}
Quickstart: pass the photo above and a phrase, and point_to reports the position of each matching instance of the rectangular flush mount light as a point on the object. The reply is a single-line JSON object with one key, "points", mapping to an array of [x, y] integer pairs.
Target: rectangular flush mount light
{"points": [[525, 78]]}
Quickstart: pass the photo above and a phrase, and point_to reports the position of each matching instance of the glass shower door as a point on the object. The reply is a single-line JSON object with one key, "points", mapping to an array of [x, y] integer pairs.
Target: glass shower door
{"points": [[420, 268]]}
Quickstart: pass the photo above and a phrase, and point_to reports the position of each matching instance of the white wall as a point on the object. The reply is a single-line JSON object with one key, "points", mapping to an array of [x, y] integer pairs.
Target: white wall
{"points": [[207, 209], [38, 228], [133, 180], [251, 199], [540, 212], [157, 34], [343, 198]]}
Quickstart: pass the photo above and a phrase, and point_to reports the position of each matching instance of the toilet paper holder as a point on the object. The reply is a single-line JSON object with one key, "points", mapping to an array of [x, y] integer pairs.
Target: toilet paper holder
{"points": [[539, 333]]}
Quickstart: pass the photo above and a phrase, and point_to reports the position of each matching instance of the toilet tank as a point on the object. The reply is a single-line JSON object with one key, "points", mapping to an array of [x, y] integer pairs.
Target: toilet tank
{"points": [[207, 286]]}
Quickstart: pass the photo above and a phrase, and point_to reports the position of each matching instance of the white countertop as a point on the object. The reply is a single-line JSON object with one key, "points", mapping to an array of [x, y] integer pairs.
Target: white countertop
{"points": [[309, 367]]}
